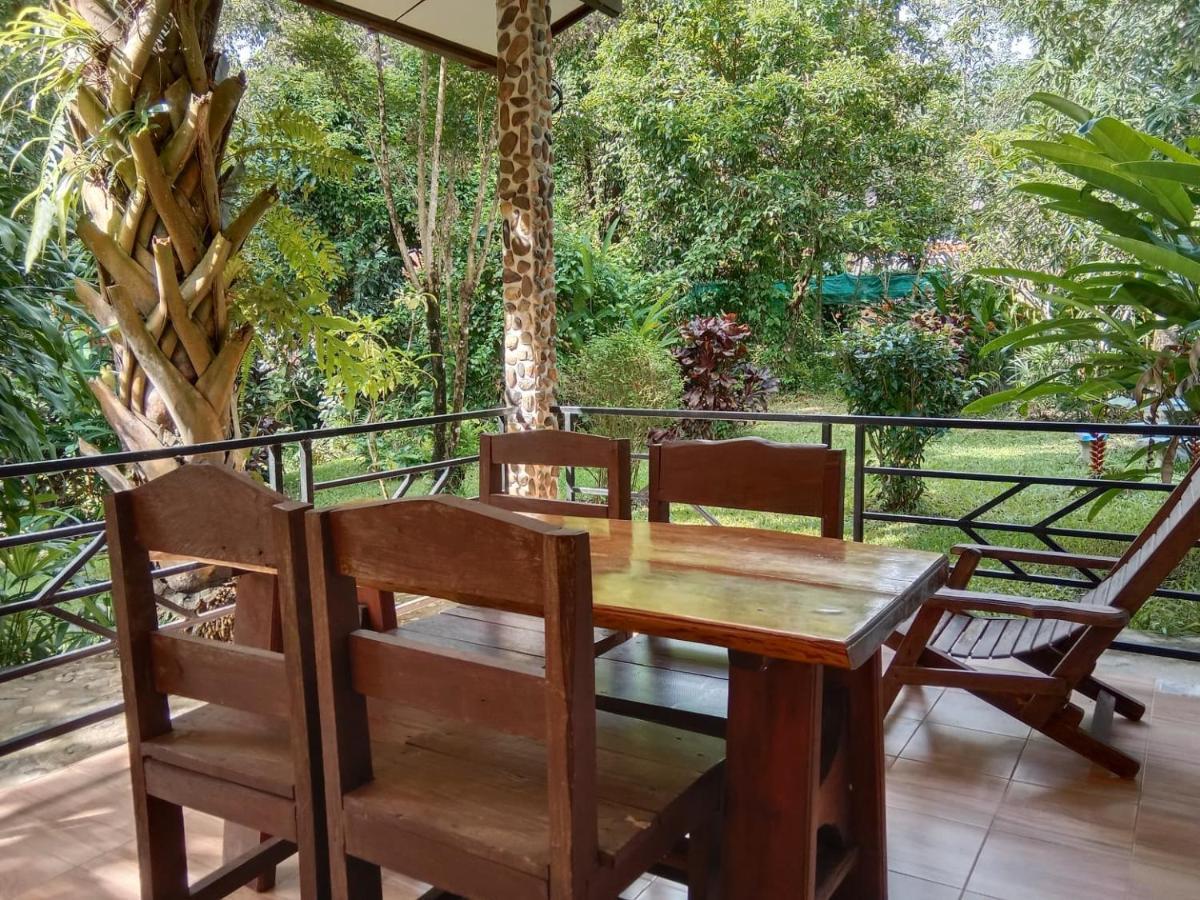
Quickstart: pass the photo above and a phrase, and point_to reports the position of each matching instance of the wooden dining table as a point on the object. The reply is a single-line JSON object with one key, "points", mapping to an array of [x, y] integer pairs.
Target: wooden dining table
{"points": [[803, 620]]}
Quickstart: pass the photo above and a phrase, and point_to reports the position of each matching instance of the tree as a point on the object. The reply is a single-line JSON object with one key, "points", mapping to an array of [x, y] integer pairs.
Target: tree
{"points": [[429, 129], [137, 108], [770, 138], [140, 111]]}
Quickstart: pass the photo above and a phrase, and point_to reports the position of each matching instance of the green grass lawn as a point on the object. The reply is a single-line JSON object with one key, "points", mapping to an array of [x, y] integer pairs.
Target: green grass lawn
{"points": [[962, 450]]}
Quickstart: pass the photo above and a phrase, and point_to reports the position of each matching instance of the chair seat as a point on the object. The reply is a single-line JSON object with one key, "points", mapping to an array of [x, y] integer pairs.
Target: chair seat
{"points": [[967, 636], [483, 792], [228, 744]]}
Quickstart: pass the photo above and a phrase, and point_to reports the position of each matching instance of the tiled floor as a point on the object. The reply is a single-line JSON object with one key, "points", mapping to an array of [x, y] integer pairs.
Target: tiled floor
{"points": [[977, 807]]}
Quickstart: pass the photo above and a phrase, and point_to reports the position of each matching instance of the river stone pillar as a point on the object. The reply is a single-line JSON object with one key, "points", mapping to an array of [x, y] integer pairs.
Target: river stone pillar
{"points": [[526, 189]]}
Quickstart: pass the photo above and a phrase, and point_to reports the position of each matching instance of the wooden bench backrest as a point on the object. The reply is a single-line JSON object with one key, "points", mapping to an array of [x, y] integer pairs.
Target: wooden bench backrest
{"points": [[750, 474], [1155, 553], [211, 514], [557, 449], [468, 552]]}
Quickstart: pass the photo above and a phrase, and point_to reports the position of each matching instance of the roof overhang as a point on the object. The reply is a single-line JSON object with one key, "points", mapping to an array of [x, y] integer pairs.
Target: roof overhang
{"points": [[464, 30]]}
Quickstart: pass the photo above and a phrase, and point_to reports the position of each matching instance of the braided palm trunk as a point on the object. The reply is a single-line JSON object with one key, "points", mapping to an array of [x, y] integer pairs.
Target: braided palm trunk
{"points": [[156, 100]]}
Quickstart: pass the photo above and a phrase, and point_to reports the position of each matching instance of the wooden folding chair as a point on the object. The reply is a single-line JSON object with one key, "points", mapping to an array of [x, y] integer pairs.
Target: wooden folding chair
{"points": [[542, 448], [560, 449], [483, 774], [1060, 641], [750, 474], [250, 755]]}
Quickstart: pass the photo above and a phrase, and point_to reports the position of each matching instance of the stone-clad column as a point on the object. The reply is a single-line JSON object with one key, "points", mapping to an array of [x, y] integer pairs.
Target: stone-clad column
{"points": [[526, 188]]}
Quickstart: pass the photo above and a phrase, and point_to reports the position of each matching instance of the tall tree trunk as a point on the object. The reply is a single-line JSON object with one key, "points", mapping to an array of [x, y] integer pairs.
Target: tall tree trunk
{"points": [[152, 216], [437, 370], [526, 189]]}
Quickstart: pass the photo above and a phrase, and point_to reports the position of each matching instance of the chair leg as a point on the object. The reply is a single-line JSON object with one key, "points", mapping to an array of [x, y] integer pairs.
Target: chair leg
{"points": [[162, 848], [703, 870], [1075, 738], [1125, 705], [355, 879]]}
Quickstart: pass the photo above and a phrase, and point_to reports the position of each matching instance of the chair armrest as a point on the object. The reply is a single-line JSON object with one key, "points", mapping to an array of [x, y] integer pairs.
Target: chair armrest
{"points": [[1046, 557], [953, 600]]}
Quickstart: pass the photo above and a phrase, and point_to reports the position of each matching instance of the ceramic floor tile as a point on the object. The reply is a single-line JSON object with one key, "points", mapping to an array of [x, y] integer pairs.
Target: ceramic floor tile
{"points": [[1053, 765], [932, 849], [950, 745], [1168, 834], [1162, 883], [661, 889], [1099, 815], [914, 702], [1170, 778], [1019, 867], [958, 794], [905, 887], [967, 711], [896, 734]]}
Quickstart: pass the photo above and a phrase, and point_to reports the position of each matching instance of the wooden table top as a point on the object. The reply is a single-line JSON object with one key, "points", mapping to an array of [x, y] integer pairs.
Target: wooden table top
{"points": [[788, 596]]}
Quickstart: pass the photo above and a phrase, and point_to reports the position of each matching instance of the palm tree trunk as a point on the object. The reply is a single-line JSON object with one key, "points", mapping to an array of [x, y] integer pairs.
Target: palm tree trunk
{"points": [[153, 217]]}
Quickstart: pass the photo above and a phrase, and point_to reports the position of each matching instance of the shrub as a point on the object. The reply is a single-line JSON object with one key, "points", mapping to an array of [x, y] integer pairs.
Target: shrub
{"points": [[900, 369], [713, 358], [622, 368]]}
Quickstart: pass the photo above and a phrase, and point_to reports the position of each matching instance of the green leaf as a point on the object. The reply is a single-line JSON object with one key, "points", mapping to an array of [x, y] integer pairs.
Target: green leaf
{"points": [[1182, 172], [1158, 257], [1067, 107]]}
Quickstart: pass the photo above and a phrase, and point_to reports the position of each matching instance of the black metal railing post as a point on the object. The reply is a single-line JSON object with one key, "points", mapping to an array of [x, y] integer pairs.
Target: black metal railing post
{"points": [[827, 434], [860, 502], [307, 477]]}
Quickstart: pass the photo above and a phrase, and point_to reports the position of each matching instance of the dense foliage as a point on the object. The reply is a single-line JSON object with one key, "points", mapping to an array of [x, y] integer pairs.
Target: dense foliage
{"points": [[901, 368]]}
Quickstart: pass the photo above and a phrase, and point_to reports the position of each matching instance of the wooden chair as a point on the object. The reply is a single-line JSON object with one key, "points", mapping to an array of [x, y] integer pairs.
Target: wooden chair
{"points": [[543, 448], [746, 474], [487, 778], [558, 449], [250, 755], [750, 474], [1060, 641]]}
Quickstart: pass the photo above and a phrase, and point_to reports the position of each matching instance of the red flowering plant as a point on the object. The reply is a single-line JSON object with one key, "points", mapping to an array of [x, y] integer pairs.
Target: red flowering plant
{"points": [[718, 375]]}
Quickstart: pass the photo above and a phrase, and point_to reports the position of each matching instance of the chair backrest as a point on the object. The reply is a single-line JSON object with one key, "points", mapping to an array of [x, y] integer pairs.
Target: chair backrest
{"points": [[212, 514], [750, 474], [1155, 553], [558, 449], [464, 551]]}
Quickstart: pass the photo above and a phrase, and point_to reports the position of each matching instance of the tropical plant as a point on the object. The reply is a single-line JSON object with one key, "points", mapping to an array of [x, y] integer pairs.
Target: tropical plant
{"points": [[898, 368], [718, 376], [1128, 323]]}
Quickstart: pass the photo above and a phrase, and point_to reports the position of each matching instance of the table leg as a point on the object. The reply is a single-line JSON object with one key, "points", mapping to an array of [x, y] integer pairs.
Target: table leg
{"points": [[805, 799], [868, 822], [773, 765]]}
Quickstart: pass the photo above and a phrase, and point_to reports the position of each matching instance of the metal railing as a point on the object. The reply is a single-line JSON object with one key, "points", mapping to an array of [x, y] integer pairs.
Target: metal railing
{"points": [[973, 523], [49, 599]]}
